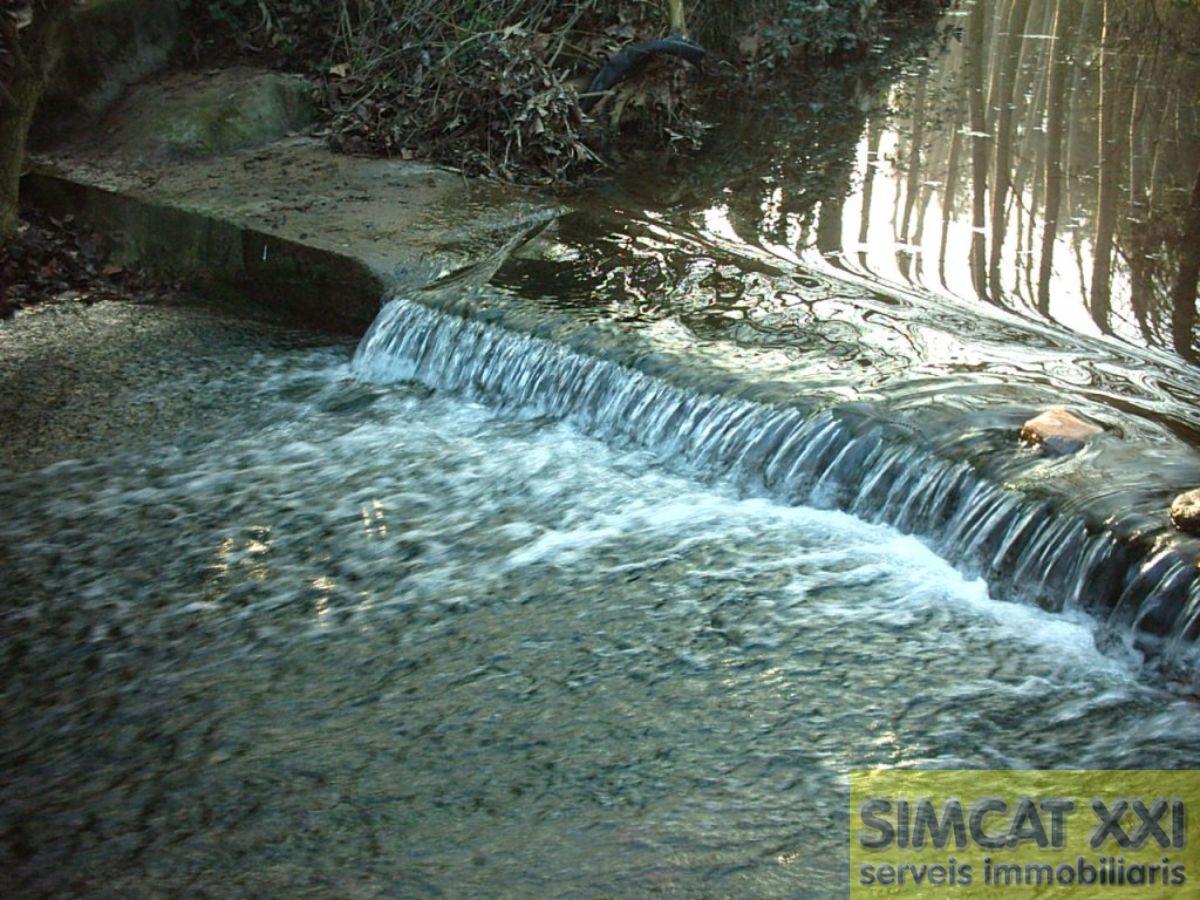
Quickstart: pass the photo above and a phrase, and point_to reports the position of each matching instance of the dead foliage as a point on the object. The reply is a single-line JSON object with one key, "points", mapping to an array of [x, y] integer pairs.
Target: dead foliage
{"points": [[491, 88], [494, 107], [59, 259], [494, 86]]}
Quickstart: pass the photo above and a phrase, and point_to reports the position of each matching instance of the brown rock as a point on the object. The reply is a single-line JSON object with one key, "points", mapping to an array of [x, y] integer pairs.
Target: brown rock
{"points": [[1059, 431], [1185, 512]]}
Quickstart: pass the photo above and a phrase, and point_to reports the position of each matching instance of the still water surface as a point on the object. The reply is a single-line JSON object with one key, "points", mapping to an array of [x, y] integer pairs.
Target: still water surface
{"points": [[1040, 156]]}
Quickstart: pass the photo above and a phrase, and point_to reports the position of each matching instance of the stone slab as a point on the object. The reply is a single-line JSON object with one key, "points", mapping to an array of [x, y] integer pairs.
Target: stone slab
{"points": [[286, 223]]}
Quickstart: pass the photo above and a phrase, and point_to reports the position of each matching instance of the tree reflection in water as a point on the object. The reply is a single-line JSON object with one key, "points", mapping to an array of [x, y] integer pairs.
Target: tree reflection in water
{"points": [[1058, 142], [1079, 197]]}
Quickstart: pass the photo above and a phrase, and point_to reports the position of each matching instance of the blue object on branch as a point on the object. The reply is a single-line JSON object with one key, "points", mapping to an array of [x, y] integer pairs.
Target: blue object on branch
{"points": [[631, 59]]}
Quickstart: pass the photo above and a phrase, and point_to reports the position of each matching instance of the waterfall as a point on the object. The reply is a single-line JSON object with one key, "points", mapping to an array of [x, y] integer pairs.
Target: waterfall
{"points": [[1143, 591]]}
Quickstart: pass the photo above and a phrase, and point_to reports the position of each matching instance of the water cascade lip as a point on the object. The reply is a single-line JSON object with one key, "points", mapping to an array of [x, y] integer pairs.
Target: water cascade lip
{"points": [[1142, 587]]}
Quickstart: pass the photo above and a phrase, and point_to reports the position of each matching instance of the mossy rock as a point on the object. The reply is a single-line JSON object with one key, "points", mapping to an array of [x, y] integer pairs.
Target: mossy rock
{"points": [[196, 115]]}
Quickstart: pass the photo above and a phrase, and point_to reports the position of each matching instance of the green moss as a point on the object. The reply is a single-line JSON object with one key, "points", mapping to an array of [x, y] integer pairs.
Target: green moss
{"points": [[226, 115]]}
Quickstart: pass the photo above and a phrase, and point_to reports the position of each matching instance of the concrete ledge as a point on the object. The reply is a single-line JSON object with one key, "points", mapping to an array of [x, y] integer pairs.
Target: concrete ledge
{"points": [[327, 290], [248, 211]]}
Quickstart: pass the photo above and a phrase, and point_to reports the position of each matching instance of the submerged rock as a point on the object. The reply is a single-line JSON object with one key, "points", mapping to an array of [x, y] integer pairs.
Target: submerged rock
{"points": [[1185, 511], [1059, 430]]}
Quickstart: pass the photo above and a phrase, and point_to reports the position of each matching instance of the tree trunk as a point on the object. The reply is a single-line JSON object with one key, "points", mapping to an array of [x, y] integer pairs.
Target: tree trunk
{"points": [[913, 181], [979, 150], [1077, 144], [1055, 115], [15, 115], [874, 137], [948, 194], [1006, 98], [1110, 163], [677, 18], [36, 51], [1183, 293]]}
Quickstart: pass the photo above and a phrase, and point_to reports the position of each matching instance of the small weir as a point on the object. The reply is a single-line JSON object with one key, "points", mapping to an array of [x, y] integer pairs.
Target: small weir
{"points": [[1144, 590]]}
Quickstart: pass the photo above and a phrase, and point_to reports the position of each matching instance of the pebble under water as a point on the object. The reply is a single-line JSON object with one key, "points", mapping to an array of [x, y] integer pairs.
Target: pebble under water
{"points": [[289, 632]]}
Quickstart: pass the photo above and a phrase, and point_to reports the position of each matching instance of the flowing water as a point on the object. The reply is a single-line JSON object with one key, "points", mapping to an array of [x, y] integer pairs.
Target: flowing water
{"points": [[929, 252], [329, 636], [598, 579]]}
